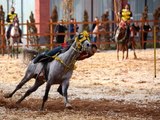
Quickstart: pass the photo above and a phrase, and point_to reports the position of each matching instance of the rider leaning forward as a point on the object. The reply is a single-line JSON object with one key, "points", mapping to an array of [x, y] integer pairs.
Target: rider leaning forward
{"points": [[10, 19], [47, 55]]}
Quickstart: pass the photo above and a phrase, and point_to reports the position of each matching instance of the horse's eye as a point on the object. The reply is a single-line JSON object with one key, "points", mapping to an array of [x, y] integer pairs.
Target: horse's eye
{"points": [[88, 45]]}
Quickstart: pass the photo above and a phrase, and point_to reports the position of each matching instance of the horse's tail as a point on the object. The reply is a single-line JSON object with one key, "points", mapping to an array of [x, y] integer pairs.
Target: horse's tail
{"points": [[29, 54]]}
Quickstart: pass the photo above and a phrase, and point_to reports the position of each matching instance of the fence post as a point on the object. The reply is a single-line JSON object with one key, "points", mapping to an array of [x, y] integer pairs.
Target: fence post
{"points": [[27, 34], [142, 44], [51, 34], [2, 36]]}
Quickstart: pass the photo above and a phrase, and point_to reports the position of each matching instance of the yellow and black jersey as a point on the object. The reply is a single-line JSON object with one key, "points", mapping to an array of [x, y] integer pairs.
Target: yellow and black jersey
{"points": [[10, 17], [126, 15]]}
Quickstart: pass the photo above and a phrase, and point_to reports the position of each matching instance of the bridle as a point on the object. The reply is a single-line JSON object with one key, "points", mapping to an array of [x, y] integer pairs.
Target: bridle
{"points": [[79, 41], [79, 46]]}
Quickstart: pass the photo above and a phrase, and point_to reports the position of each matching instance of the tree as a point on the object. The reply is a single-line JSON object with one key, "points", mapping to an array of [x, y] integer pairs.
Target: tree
{"points": [[105, 37], [54, 15], [145, 13], [68, 9], [32, 30], [85, 25]]}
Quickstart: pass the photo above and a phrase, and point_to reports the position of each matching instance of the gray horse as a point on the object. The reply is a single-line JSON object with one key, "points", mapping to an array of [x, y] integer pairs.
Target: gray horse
{"points": [[58, 71]]}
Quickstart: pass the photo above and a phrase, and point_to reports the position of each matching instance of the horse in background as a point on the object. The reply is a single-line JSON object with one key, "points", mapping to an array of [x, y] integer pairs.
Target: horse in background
{"points": [[15, 37], [58, 71], [122, 39]]}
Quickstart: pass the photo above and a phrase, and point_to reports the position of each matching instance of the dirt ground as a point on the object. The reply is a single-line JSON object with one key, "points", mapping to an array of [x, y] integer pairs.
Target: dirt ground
{"points": [[101, 88]]}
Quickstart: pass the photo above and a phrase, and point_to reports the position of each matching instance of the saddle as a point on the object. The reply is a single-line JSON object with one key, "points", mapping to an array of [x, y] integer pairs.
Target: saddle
{"points": [[44, 58]]}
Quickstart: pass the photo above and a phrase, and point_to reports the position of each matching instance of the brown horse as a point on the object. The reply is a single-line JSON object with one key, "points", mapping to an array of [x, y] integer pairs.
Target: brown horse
{"points": [[123, 39]]}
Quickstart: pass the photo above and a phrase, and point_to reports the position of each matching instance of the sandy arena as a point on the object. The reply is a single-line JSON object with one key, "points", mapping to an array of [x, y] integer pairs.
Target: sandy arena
{"points": [[101, 88]]}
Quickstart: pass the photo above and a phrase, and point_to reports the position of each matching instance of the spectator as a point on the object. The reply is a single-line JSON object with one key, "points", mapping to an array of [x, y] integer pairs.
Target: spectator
{"points": [[95, 22], [95, 31], [76, 26], [60, 28], [145, 29], [71, 28], [136, 27]]}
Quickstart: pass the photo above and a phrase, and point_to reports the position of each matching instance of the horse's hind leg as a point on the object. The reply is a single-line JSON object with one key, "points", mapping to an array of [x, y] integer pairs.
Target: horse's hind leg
{"points": [[36, 85], [135, 56], [25, 79], [133, 46]]}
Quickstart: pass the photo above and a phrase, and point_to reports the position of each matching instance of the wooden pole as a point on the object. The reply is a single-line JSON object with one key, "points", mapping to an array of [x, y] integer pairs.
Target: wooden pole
{"points": [[155, 51], [27, 34], [2, 36]]}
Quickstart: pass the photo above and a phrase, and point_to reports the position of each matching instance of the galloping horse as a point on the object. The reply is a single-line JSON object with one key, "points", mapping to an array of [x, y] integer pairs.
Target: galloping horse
{"points": [[58, 71], [122, 38], [14, 37]]}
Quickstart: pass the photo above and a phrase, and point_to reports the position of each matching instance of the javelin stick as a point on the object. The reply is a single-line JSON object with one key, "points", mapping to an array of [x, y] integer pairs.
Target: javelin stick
{"points": [[155, 51]]}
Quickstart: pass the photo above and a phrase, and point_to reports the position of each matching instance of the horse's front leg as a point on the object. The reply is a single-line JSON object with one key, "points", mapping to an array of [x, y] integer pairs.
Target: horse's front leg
{"points": [[45, 97], [123, 54], [12, 47], [65, 86]]}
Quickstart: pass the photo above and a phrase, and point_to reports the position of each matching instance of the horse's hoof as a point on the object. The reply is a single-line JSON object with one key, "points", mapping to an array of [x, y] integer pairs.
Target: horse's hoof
{"points": [[7, 95], [69, 106]]}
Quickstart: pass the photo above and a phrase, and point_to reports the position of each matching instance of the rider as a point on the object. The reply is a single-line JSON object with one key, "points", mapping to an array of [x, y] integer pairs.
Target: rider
{"points": [[47, 56], [10, 17], [125, 17]]}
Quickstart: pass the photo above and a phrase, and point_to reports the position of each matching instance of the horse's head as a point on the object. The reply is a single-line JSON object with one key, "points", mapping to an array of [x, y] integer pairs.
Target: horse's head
{"points": [[16, 22], [120, 34], [83, 42], [15, 29]]}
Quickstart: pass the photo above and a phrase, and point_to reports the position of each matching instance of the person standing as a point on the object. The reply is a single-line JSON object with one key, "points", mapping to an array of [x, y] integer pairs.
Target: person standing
{"points": [[71, 28], [95, 23], [60, 31], [145, 29]]}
